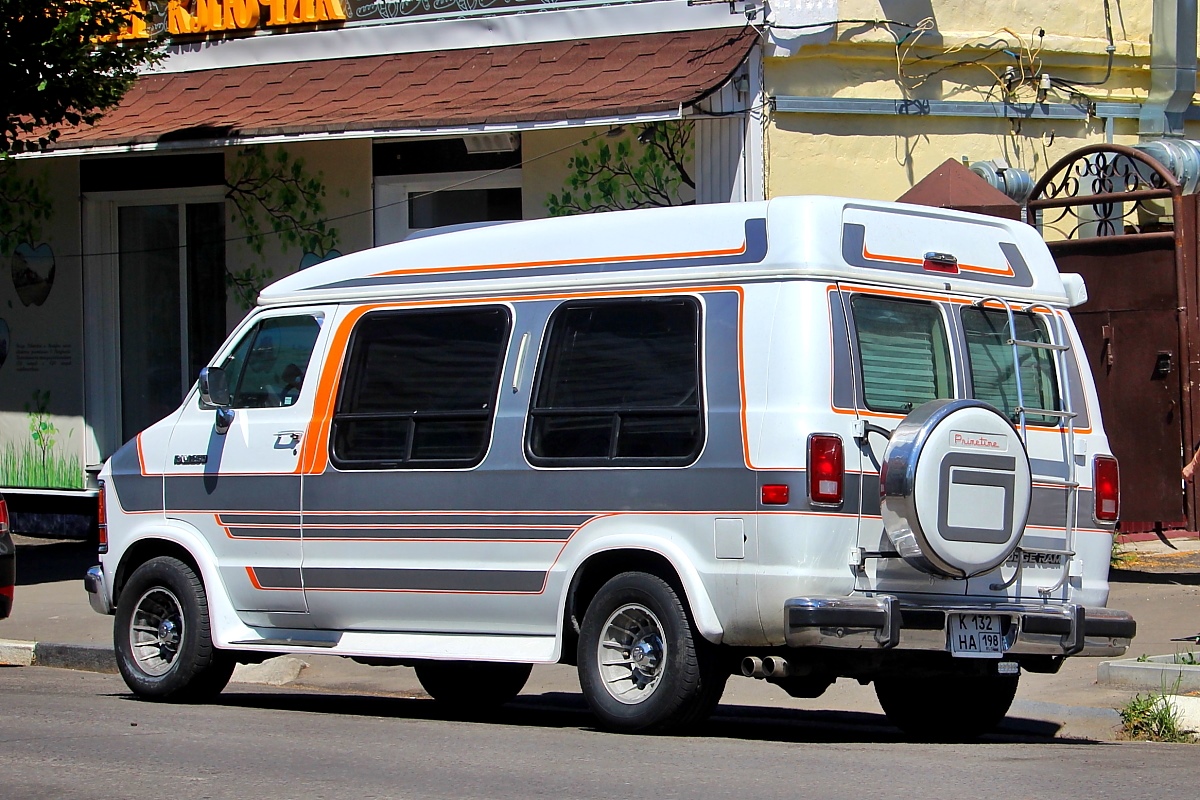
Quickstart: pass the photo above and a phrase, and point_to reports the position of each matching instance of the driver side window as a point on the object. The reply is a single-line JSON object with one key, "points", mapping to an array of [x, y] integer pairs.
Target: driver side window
{"points": [[268, 366]]}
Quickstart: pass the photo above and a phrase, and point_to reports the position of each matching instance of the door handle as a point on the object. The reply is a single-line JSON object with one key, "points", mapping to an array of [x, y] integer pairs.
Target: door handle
{"points": [[287, 439]]}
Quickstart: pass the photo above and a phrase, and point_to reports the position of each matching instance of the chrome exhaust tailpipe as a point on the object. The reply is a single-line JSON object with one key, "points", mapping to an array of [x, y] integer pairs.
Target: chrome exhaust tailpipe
{"points": [[752, 667], [776, 667]]}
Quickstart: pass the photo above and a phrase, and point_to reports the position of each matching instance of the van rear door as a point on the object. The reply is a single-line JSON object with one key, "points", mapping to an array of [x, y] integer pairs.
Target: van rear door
{"points": [[904, 350]]}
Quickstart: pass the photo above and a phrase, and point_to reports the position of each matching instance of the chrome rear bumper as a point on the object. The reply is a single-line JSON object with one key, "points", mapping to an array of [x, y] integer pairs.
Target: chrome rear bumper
{"points": [[883, 622], [93, 581]]}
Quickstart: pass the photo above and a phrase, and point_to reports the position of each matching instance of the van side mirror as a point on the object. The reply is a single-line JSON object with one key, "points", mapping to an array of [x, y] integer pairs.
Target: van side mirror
{"points": [[214, 391], [214, 387]]}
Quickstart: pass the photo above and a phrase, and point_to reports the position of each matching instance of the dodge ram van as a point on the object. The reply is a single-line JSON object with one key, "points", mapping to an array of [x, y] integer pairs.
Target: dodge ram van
{"points": [[799, 440]]}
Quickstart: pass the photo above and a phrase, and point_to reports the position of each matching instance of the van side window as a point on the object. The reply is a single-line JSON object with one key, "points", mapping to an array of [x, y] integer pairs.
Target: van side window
{"points": [[619, 384], [419, 389], [904, 352], [991, 362], [268, 366]]}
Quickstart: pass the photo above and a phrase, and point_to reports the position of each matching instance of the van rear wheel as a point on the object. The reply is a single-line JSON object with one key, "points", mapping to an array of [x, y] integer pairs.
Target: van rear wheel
{"points": [[921, 707], [162, 637], [469, 686], [642, 665]]}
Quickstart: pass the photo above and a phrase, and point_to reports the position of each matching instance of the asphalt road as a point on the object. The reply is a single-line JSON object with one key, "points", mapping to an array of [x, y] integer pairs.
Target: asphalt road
{"points": [[66, 734]]}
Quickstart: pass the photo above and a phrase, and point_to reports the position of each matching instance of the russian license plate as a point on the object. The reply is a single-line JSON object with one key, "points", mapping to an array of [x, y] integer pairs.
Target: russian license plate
{"points": [[976, 636]]}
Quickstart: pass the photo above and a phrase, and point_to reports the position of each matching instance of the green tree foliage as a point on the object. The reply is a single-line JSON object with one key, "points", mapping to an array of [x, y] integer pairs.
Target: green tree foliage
{"points": [[24, 206], [64, 66], [274, 196], [626, 174]]}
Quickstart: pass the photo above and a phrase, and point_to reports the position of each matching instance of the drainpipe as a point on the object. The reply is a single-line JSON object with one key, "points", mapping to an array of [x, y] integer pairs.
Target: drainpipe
{"points": [[1172, 69]]}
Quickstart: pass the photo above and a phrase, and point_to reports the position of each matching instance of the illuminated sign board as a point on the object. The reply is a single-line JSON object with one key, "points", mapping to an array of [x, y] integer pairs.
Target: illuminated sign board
{"points": [[187, 18]]}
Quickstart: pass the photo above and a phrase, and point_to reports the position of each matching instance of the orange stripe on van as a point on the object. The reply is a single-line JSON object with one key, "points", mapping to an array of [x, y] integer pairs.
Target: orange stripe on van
{"points": [[314, 458], [734, 251]]}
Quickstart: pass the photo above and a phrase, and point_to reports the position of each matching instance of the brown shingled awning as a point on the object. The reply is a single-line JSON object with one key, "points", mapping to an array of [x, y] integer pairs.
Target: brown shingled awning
{"points": [[518, 84]]}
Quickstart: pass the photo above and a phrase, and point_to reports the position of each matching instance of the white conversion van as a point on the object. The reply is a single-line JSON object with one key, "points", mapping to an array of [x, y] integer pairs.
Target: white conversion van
{"points": [[800, 440]]}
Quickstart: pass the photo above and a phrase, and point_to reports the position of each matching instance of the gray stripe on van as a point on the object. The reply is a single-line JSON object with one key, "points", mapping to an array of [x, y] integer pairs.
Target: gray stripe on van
{"points": [[278, 577], [265, 533], [423, 580], [136, 492], [755, 252], [498, 534], [484, 520], [843, 368], [277, 520], [854, 237]]}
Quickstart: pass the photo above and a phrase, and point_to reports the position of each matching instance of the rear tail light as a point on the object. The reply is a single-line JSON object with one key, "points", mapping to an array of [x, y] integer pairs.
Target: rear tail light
{"points": [[826, 469], [1106, 484], [102, 521], [3, 516]]}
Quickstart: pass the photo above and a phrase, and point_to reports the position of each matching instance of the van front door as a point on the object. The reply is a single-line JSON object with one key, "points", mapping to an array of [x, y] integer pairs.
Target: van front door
{"points": [[240, 486]]}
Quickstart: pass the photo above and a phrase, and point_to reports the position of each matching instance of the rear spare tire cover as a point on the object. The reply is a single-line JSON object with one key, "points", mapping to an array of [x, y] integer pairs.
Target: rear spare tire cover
{"points": [[955, 488]]}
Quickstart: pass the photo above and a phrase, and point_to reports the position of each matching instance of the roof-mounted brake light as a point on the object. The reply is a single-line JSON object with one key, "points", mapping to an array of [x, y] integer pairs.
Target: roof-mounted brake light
{"points": [[940, 262]]}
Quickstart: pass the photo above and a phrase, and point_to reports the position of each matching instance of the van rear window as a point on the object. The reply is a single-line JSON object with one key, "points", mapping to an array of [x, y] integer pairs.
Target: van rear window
{"points": [[992, 375], [419, 389], [619, 384], [904, 353]]}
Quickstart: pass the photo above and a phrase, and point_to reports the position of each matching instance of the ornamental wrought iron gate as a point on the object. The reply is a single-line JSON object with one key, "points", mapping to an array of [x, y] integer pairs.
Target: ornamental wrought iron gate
{"points": [[1118, 217]]}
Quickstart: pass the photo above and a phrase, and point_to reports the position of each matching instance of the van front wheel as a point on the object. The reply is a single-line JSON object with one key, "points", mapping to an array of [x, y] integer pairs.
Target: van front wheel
{"points": [[162, 637], [642, 665]]}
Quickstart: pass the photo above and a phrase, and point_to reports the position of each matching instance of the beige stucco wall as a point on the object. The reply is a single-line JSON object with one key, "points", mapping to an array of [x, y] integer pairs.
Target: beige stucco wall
{"points": [[41, 328], [882, 156], [545, 155], [344, 170]]}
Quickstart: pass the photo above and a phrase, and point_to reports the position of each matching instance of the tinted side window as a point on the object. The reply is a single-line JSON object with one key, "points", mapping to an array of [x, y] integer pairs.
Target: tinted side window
{"points": [[420, 388], [619, 383], [991, 357], [268, 366], [904, 352]]}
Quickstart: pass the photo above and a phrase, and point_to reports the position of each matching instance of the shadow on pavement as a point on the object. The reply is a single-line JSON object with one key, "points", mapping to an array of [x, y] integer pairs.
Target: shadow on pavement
{"points": [[565, 710], [50, 561], [1179, 578]]}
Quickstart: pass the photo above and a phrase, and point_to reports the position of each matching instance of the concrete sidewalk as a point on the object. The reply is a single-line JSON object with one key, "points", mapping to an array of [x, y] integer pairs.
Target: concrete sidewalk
{"points": [[53, 625]]}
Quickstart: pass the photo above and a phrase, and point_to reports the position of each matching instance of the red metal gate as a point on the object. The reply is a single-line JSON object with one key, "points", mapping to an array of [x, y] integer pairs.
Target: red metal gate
{"points": [[1117, 217]]}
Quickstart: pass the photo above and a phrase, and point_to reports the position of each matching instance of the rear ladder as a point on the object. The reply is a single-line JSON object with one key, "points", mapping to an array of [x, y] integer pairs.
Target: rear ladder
{"points": [[1059, 347]]}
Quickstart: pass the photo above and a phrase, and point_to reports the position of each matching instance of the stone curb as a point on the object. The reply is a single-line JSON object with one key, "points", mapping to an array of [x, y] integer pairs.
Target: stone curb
{"points": [[278, 671], [1156, 673], [89, 658]]}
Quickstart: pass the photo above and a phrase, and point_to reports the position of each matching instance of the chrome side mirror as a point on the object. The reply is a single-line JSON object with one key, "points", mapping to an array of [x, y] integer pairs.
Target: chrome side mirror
{"points": [[214, 387], [214, 392]]}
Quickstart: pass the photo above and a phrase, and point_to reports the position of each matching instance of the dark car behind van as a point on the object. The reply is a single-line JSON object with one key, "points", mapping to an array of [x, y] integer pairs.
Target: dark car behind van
{"points": [[8, 562]]}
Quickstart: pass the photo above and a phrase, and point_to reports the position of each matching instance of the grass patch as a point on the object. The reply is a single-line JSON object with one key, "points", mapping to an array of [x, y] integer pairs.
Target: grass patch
{"points": [[24, 466], [1152, 718], [1120, 557]]}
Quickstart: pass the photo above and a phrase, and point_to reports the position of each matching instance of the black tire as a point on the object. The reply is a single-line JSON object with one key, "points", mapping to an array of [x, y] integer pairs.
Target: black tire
{"points": [[674, 677], [956, 708], [171, 657], [472, 686]]}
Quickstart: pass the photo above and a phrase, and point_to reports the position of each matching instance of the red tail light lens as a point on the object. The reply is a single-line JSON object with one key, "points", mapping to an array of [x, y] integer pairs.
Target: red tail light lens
{"points": [[3, 516], [940, 262], [1106, 485], [775, 494], [102, 520], [826, 469]]}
